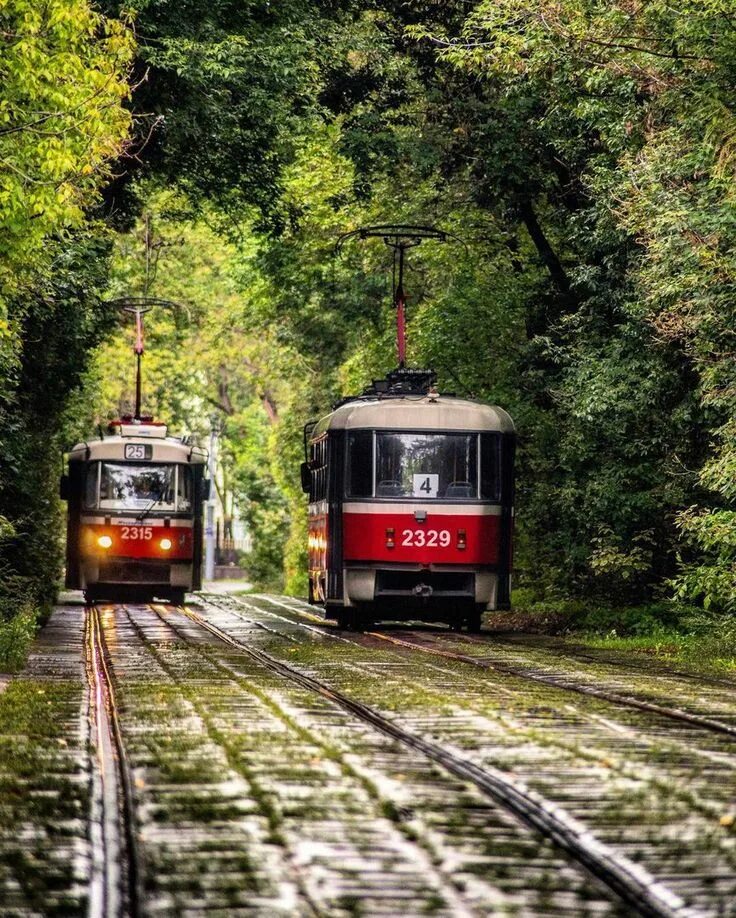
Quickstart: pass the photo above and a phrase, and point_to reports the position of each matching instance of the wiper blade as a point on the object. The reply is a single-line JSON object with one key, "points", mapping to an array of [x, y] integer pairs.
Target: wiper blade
{"points": [[144, 513]]}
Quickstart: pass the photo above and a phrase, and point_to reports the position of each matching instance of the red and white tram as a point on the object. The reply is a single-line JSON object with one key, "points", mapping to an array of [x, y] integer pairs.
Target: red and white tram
{"points": [[134, 525], [410, 505]]}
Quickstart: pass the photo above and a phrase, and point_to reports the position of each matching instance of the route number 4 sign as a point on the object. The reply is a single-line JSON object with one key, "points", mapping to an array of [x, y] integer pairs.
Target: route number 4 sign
{"points": [[426, 485]]}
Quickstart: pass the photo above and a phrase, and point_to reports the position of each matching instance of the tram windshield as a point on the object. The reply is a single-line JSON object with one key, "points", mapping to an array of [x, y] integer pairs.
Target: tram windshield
{"points": [[427, 466], [118, 486]]}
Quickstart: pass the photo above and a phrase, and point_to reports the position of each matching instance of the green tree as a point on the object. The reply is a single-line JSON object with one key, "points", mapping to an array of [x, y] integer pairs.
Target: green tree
{"points": [[63, 79], [210, 359], [63, 73]]}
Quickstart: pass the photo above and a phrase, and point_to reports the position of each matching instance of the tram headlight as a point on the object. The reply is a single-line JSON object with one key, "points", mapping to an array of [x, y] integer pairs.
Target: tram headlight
{"points": [[104, 541], [165, 544]]}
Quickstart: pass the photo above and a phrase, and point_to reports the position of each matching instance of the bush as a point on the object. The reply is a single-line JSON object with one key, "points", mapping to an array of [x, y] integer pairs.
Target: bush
{"points": [[577, 615], [647, 620], [713, 638], [16, 635]]}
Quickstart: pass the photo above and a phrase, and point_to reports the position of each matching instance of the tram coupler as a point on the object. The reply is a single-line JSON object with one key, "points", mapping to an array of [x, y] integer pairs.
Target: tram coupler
{"points": [[423, 590]]}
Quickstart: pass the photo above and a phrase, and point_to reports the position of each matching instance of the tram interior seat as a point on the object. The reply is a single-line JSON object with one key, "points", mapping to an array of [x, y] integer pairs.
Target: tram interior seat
{"points": [[389, 488], [459, 489]]}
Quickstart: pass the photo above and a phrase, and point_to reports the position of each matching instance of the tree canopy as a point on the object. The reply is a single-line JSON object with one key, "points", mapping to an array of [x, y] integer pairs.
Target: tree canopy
{"points": [[584, 154]]}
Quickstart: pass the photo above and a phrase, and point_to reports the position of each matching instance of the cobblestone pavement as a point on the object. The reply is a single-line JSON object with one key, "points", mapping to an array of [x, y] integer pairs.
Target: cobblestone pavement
{"points": [[45, 863], [253, 793], [659, 791]]}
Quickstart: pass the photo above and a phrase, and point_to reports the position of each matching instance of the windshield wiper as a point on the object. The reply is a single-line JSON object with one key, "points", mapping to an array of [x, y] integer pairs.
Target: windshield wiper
{"points": [[144, 513]]}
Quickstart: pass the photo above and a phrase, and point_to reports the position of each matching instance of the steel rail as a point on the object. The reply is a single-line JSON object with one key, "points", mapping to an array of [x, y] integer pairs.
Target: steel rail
{"points": [[695, 720], [579, 653], [331, 633], [227, 668], [628, 880], [118, 891]]}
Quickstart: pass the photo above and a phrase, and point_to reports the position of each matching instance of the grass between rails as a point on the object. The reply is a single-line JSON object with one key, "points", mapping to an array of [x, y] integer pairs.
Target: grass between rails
{"points": [[43, 798], [515, 721], [671, 631]]}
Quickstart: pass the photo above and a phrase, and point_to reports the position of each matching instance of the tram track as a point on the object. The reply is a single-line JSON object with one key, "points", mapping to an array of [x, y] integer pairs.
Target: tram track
{"points": [[695, 720], [115, 876], [652, 890], [684, 770], [311, 910], [641, 664], [424, 848], [559, 682], [635, 886], [445, 879], [722, 759]]}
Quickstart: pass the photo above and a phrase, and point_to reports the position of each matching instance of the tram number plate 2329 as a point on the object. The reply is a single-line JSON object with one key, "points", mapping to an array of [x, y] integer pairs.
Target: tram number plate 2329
{"points": [[431, 538]]}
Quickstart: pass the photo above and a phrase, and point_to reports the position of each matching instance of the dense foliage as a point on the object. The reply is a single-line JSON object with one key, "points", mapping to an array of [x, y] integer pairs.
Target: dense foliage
{"points": [[582, 151], [208, 363], [63, 79]]}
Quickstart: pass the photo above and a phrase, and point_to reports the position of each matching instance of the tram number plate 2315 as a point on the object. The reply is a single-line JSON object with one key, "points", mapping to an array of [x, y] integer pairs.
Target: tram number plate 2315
{"points": [[138, 451], [142, 533]]}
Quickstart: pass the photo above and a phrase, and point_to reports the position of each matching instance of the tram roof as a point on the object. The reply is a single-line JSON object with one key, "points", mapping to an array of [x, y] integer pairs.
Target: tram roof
{"points": [[416, 412], [112, 448]]}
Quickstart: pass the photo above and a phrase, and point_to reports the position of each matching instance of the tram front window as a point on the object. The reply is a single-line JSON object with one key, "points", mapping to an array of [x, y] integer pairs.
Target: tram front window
{"points": [[427, 466], [113, 486]]}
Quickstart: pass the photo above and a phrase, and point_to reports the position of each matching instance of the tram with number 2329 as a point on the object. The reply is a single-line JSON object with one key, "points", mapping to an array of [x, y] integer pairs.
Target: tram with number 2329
{"points": [[411, 492], [410, 505]]}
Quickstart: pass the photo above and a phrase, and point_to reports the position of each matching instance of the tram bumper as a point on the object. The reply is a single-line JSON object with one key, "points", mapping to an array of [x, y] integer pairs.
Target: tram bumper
{"points": [[419, 585], [135, 572]]}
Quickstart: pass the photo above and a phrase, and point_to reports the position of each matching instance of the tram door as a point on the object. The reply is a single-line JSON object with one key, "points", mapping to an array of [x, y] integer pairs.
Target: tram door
{"points": [[314, 481], [324, 479], [71, 489]]}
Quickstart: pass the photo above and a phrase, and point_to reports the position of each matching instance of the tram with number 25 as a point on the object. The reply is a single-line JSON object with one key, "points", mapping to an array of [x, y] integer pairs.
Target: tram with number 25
{"points": [[134, 522], [134, 503]]}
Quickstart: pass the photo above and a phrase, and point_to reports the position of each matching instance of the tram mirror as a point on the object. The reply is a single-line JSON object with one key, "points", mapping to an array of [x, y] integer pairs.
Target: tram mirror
{"points": [[64, 487], [306, 477], [205, 488]]}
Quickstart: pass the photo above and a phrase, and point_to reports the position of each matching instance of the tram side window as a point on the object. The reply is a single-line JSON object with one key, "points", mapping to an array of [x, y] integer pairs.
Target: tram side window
{"points": [[184, 488], [360, 464], [318, 465], [490, 467], [90, 485]]}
